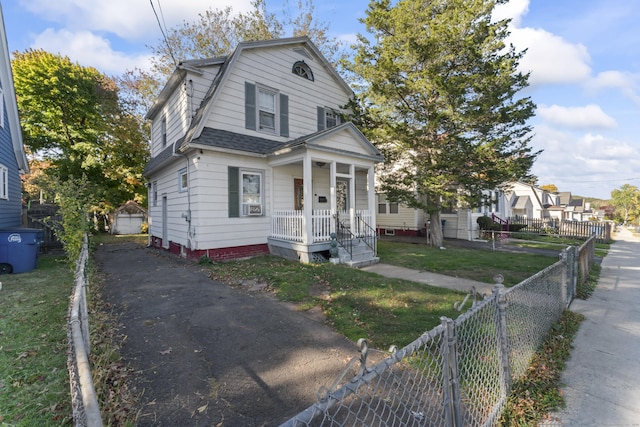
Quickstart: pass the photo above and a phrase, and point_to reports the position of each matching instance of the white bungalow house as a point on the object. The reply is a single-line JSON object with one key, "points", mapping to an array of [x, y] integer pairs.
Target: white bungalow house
{"points": [[529, 201], [457, 222], [13, 160], [250, 154]]}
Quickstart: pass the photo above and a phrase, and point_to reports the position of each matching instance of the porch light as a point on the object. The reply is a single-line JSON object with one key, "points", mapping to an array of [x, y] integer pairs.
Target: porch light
{"points": [[320, 164]]}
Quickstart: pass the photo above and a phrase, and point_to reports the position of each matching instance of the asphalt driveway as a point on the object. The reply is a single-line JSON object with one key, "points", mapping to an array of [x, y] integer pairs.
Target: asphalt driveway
{"points": [[209, 354]]}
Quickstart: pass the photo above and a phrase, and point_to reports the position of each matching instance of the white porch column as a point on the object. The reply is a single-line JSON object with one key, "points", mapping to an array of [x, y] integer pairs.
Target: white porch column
{"points": [[307, 209], [333, 201], [371, 194], [352, 197]]}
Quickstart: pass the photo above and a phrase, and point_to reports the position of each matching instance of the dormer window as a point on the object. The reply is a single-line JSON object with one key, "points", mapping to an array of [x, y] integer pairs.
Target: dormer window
{"points": [[301, 69]]}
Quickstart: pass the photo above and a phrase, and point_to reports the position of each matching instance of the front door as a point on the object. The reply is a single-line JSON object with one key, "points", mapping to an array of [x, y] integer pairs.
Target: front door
{"points": [[342, 195], [298, 194]]}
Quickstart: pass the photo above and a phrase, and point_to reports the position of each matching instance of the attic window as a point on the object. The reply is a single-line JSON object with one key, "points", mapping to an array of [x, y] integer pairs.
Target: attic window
{"points": [[301, 69]]}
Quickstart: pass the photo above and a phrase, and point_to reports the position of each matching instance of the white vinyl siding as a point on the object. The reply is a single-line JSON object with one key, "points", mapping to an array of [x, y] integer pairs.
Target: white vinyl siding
{"points": [[303, 95], [210, 209]]}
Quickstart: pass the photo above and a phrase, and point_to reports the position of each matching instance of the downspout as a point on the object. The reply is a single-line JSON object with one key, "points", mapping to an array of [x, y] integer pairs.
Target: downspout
{"points": [[188, 88], [186, 215]]}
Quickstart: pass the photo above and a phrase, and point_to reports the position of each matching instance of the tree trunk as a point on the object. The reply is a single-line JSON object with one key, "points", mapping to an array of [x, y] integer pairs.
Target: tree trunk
{"points": [[435, 229]]}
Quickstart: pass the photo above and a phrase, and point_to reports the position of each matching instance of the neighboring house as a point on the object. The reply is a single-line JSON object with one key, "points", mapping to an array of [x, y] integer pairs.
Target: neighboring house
{"points": [[250, 154], [13, 160], [529, 201], [457, 222], [128, 219]]}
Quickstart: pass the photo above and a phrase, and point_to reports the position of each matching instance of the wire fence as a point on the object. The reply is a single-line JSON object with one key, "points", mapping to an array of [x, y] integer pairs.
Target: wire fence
{"points": [[83, 396], [460, 372]]}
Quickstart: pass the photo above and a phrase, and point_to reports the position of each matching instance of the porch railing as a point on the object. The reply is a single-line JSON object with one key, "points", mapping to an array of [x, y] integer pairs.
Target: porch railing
{"points": [[288, 224]]}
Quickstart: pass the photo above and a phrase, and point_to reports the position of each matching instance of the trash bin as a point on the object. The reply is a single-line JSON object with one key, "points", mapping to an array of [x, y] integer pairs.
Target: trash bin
{"points": [[19, 248]]}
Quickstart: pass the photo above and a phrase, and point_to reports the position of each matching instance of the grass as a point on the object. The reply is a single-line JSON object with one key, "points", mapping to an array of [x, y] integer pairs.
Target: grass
{"points": [[34, 381], [538, 393], [475, 264], [34, 387], [556, 243], [358, 304]]}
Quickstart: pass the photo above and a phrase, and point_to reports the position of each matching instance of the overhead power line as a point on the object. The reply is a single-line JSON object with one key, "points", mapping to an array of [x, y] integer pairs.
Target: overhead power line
{"points": [[163, 26]]}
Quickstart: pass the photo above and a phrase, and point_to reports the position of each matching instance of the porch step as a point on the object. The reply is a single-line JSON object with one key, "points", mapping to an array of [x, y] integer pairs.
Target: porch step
{"points": [[361, 255]]}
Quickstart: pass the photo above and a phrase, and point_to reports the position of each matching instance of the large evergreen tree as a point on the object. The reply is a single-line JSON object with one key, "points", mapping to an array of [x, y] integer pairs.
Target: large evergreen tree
{"points": [[439, 92]]}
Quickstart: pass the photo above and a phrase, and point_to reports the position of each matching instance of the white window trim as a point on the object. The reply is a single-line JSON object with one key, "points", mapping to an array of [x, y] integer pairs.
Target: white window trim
{"points": [[163, 130], [181, 187], [276, 113], [330, 111], [4, 182], [154, 191], [253, 208]]}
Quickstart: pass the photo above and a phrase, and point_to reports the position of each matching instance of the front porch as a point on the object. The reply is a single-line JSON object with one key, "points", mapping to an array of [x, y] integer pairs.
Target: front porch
{"points": [[350, 232]]}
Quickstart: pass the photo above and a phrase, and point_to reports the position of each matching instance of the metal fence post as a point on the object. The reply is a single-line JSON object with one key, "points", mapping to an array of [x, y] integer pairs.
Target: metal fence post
{"points": [[503, 334], [567, 277], [450, 377]]}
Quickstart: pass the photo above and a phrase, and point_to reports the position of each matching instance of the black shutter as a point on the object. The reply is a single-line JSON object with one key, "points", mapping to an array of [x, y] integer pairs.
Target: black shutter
{"points": [[284, 115], [249, 105], [320, 118], [234, 192]]}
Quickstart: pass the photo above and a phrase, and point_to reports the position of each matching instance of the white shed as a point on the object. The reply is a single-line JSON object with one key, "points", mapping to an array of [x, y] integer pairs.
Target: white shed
{"points": [[128, 219]]}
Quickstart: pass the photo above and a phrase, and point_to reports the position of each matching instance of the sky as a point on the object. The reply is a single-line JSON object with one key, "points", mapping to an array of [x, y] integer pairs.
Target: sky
{"points": [[583, 56]]}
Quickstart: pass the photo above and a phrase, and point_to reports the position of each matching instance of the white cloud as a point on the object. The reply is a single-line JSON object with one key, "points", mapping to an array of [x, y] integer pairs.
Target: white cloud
{"points": [[514, 10], [587, 117], [129, 20], [82, 29], [88, 49], [550, 58], [584, 163], [627, 83]]}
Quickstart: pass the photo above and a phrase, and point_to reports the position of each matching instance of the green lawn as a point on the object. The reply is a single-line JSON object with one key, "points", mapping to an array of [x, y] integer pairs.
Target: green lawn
{"points": [[366, 305], [477, 264], [34, 381]]}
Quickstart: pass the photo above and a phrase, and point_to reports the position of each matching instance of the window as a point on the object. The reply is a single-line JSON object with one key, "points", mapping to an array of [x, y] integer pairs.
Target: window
{"points": [[183, 180], [266, 110], [301, 69], [385, 205], [154, 191], [4, 182], [163, 130], [328, 118], [245, 192], [251, 193]]}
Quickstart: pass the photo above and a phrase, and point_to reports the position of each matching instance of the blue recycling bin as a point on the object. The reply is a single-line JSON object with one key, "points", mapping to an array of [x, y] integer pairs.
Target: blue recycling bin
{"points": [[19, 248]]}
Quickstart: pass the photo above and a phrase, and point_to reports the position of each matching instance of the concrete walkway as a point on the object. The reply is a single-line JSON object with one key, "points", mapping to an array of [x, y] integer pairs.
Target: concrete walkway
{"points": [[433, 279], [602, 378]]}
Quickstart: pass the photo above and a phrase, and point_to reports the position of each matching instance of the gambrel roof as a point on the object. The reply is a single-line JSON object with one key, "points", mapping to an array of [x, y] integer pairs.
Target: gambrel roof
{"points": [[200, 136]]}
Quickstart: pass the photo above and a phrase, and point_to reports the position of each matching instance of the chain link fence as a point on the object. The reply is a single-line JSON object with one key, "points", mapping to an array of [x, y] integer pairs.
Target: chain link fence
{"points": [[83, 396], [459, 373]]}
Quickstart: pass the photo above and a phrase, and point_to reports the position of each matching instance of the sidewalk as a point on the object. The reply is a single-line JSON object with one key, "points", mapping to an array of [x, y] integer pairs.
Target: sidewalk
{"points": [[601, 382], [433, 279]]}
